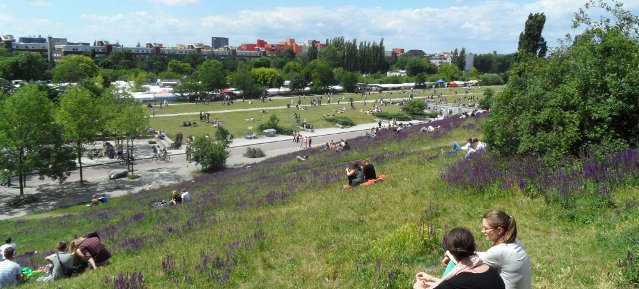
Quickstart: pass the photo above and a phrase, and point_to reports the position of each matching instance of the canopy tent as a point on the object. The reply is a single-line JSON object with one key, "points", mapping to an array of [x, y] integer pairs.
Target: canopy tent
{"points": [[441, 81]]}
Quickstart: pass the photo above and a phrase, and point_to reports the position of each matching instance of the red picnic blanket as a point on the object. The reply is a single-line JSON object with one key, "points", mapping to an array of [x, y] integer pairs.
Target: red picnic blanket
{"points": [[368, 182]]}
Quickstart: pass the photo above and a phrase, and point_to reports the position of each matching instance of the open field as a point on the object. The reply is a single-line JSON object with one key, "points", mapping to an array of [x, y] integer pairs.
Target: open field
{"points": [[288, 224], [241, 117]]}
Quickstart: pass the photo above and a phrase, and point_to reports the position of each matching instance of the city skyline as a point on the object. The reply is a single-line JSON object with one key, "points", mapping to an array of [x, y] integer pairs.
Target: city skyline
{"points": [[432, 26]]}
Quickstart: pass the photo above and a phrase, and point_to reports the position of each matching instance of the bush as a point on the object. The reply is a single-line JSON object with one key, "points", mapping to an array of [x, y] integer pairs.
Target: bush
{"points": [[209, 153], [485, 102], [491, 79], [341, 120], [254, 153], [415, 107], [400, 116], [273, 122]]}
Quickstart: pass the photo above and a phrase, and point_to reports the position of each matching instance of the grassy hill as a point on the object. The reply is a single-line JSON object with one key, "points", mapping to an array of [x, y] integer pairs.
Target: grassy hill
{"points": [[287, 224]]}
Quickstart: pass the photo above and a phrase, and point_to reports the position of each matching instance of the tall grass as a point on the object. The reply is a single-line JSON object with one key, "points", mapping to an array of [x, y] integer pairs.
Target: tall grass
{"points": [[287, 224]]}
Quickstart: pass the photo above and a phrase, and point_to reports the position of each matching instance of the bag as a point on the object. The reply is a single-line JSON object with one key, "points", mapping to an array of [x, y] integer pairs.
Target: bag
{"points": [[69, 271]]}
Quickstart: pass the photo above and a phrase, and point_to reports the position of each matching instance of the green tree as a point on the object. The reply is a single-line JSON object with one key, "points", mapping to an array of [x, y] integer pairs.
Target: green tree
{"points": [[211, 75], [27, 134], [346, 79], [23, 65], [449, 72], [583, 98], [267, 77], [459, 59], [320, 73], [243, 80], [179, 67], [126, 121], [262, 62], [188, 90], [330, 55], [292, 66], [79, 116], [414, 107], [73, 68], [530, 40], [312, 52], [210, 153]]}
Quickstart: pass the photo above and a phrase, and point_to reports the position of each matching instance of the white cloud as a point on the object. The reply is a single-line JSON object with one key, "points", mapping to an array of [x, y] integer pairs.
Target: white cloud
{"points": [[480, 27], [179, 2], [41, 4]]}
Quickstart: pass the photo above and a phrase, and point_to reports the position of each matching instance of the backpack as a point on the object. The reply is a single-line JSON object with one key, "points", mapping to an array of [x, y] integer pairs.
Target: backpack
{"points": [[69, 271]]}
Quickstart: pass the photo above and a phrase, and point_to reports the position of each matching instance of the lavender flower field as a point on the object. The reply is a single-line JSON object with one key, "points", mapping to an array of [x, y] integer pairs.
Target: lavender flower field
{"points": [[287, 224]]}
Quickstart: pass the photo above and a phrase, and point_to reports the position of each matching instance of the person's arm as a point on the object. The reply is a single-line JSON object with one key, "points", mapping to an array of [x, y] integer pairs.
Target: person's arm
{"points": [[88, 257], [492, 257]]}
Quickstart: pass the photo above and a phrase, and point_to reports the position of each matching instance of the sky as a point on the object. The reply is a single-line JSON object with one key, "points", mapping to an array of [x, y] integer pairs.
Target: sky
{"points": [[432, 26]]}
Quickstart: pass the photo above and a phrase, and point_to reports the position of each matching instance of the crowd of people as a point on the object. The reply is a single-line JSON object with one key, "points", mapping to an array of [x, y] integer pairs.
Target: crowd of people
{"points": [[69, 258], [505, 265]]}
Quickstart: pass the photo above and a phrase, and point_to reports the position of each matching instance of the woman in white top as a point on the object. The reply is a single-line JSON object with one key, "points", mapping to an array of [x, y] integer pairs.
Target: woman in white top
{"points": [[507, 254]]}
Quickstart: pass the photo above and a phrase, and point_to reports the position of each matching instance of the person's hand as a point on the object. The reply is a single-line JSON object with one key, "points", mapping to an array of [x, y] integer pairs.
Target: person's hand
{"points": [[421, 276]]}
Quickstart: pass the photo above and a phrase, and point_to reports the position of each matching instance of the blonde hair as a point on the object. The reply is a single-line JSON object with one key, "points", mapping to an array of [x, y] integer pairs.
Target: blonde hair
{"points": [[499, 219]]}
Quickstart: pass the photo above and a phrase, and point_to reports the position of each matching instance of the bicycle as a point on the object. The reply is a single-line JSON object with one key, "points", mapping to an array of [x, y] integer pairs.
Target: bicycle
{"points": [[125, 159], [164, 157]]}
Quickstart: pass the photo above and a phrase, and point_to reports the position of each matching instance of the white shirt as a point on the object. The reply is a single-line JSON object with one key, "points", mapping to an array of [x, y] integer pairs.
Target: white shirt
{"points": [[8, 272], [186, 197], [512, 263], [4, 246]]}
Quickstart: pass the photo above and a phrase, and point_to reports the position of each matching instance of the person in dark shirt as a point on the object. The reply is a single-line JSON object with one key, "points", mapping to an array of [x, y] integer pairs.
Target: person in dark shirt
{"points": [[176, 198], [369, 170], [93, 250], [470, 272]]}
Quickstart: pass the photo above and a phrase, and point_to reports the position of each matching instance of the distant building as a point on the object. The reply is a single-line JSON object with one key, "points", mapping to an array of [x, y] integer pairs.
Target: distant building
{"points": [[415, 52], [441, 58], [398, 51], [470, 62], [219, 42]]}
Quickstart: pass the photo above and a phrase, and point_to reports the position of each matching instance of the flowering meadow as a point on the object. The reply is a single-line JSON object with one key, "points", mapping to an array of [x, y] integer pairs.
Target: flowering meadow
{"points": [[282, 223]]}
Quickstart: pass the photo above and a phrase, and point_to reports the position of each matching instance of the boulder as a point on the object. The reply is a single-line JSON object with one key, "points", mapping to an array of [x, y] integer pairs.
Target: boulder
{"points": [[118, 174]]}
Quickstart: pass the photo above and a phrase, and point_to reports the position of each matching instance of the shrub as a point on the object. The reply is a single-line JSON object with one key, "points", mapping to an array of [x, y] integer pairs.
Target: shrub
{"points": [[273, 122], [341, 120], [254, 153], [415, 107], [401, 116]]}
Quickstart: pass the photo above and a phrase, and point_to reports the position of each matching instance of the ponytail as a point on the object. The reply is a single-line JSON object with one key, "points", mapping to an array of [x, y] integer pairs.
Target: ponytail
{"points": [[499, 219]]}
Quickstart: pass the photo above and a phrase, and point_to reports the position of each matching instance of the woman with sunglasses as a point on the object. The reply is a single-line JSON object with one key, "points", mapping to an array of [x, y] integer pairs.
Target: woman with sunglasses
{"points": [[507, 255]]}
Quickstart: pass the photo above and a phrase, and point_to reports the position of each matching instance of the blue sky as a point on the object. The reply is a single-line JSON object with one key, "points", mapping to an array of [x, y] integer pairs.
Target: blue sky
{"points": [[433, 26]]}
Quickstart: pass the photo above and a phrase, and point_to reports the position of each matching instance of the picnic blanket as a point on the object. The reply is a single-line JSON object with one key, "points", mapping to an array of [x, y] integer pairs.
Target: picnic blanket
{"points": [[368, 182]]}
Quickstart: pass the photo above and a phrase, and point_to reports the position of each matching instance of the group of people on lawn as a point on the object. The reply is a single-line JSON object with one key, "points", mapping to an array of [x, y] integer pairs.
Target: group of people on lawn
{"points": [[69, 258], [472, 146]]}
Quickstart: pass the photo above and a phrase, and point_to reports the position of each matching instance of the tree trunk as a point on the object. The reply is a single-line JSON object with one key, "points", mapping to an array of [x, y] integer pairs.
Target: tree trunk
{"points": [[80, 165], [21, 174]]}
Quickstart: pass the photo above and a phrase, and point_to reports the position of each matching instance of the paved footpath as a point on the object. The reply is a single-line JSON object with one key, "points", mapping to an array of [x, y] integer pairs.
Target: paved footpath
{"points": [[46, 194]]}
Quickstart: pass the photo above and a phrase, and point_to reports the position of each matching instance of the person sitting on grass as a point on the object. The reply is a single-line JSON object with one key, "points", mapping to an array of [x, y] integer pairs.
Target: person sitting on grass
{"points": [[56, 260], [369, 170], [354, 174], [186, 196], [176, 198], [95, 200], [302, 158], [10, 273], [94, 252], [456, 147], [469, 272]]}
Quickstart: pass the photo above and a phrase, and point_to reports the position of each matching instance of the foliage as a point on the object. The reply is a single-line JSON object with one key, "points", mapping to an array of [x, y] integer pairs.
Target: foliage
{"points": [[211, 75], [341, 120], [530, 40], [267, 77], [28, 133], [414, 107], [400, 116], [418, 65], [273, 123], [254, 153], [449, 72], [74, 68], [348, 80], [459, 59], [493, 63], [209, 153], [179, 67], [491, 79], [320, 74], [80, 118], [486, 102], [24, 66], [243, 80], [583, 98]]}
